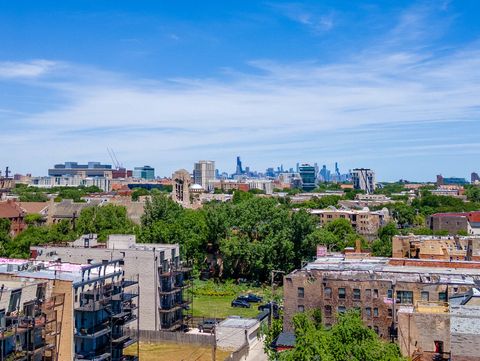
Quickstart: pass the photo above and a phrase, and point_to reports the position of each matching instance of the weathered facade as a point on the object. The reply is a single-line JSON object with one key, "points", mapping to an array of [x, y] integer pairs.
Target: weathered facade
{"points": [[376, 286]]}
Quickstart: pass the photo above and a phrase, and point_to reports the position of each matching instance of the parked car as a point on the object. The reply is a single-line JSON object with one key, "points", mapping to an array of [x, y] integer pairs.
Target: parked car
{"points": [[250, 298], [270, 305], [207, 325], [240, 303]]}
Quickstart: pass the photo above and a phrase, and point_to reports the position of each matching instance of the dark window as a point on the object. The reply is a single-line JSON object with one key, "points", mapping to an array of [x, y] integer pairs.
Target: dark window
{"points": [[327, 292], [442, 296], [301, 308], [342, 309], [390, 312], [390, 293], [375, 293], [368, 312], [375, 328], [425, 296], [341, 293], [375, 312], [328, 310], [301, 292], [356, 294], [405, 297], [14, 300]]}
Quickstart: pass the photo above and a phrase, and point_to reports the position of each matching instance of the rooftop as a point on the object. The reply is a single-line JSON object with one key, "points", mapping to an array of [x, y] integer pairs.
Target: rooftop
{"points": [[238, 322]]}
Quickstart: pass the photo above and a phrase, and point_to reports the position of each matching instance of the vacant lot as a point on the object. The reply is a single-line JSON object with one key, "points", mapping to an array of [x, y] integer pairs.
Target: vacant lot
{"points": [[213, 300], [175, 352]]}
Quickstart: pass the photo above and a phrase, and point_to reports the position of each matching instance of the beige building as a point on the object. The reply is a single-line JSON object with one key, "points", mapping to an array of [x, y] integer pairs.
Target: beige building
{"points": [[204, 174], [365, 222]]}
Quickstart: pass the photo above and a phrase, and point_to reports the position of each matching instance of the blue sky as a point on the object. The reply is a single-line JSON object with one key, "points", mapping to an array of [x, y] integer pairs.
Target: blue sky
{"points": [[390, 85]]}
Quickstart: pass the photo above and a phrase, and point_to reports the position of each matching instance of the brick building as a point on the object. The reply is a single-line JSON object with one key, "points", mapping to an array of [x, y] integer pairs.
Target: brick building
{"points": [[376, 286], [435, 247], [15, 214], [455, 223], [365, 222]]}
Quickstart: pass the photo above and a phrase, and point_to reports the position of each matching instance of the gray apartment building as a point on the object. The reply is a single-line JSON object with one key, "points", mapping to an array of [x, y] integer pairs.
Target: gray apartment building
{"points": [[163, 304]]}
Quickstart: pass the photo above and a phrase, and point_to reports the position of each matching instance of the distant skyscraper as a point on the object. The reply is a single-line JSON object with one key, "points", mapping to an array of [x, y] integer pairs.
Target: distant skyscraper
{"points": [[475, 178], [364, 179], [308, 174], [325, 174], [337, 171], [204, 173], [239, 169]]}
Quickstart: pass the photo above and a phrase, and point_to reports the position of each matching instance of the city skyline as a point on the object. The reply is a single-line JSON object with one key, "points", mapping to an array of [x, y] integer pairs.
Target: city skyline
{"points": [[392, 88]]}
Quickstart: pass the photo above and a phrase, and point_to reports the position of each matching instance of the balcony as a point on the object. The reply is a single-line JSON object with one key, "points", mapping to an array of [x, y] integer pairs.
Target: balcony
{"points": [[93, 332]]}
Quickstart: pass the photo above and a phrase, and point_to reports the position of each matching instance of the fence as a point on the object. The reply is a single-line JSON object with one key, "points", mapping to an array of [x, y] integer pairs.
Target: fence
{"points": [[239, 354], [177, 337]]}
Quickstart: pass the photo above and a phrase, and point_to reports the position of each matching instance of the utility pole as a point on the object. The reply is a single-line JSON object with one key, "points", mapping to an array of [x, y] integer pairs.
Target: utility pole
{"points": [[214, 346], [273, 272]]}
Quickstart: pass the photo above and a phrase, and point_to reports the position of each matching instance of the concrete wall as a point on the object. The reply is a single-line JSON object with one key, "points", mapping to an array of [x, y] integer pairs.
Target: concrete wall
{"points": [[419, 331]]}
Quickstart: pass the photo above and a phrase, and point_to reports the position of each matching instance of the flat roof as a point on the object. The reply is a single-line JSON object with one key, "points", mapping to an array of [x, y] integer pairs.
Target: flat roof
{"points": [[238, 322]]}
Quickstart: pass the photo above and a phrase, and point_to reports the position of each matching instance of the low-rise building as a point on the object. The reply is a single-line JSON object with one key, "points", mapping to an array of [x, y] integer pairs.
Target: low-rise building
{"points": [[365, 222], [15, 214], [163, 278], [376, 286], [455, 223], [466, 248]]}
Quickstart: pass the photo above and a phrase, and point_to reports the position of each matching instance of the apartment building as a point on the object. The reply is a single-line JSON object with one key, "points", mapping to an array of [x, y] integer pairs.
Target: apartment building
{"points": [[363, 179], [204, 174], [376, 286], [466, 248], [365, 222], [162, 278], [15, 214], [93, 304], [27, 322], [455, 223]]}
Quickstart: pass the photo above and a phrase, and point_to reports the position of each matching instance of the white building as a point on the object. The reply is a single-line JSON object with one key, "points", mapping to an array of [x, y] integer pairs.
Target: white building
{"points": [[235, 332], [204, 173], [104, 183]]}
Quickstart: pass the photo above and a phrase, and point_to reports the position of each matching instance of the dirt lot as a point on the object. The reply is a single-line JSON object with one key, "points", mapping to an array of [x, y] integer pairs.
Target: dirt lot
{"points": [[175, 352]]}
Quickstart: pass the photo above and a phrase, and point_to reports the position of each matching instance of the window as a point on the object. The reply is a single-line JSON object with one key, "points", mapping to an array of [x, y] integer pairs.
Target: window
{"points": [[301, 308], [342, 309], [341, 293], [368, 293], [368, 312], [328, 311], [375, 312], [356, 294], [390, 312], [327, 292], [425, 296], [375, 328], [390, 293], [442, 296], [375, 293], [405, 297], [300, 292]]}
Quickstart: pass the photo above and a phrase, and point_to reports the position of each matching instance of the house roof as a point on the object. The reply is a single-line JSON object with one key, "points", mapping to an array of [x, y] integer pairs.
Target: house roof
{"points": [[10, 209], [285, 339], [33, 207]]}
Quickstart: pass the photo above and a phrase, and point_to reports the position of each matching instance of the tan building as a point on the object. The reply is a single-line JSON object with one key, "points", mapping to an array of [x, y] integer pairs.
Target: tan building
{"points": [[456, 248], [365, 222]]}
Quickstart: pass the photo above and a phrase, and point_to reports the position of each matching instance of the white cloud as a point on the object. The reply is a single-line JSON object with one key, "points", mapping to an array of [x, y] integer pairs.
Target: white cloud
{"points": [[289, 112], [31, 69]]}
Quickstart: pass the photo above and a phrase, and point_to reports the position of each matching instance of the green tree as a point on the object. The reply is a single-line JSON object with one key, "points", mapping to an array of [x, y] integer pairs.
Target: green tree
{"points": [[348, 339], [138, 192], [382, 247], [104, 220]]}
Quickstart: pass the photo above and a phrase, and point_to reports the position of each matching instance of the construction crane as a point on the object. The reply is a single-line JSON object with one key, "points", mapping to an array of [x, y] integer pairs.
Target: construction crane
{"points": [[114, 159]]}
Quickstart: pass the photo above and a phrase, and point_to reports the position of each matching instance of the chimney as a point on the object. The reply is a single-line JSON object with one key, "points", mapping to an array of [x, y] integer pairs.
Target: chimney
{"points": [[358, 246]]}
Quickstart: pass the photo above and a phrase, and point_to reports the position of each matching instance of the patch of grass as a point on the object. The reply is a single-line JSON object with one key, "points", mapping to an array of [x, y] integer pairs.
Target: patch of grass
{"points": [[167, 351], [213, 300], [219, 307]]}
